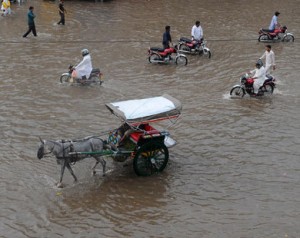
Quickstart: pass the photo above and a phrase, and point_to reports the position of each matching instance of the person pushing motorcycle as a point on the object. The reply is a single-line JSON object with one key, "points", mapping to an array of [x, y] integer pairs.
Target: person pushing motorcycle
{"points": [[259, 76], [167, 40]]}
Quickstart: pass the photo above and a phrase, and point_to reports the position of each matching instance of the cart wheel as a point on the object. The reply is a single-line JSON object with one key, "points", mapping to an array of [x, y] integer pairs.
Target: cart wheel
{"points": [[150, 158]]}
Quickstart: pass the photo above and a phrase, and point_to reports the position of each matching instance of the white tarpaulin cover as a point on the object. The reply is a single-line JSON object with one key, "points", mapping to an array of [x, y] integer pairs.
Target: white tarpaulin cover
{"points": [[146, 109]]}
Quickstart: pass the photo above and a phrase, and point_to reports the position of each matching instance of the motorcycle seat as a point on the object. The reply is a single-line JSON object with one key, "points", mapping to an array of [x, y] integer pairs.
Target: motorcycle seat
{"points": [[268, 79], [95, 71], [267, 30], [157, 49], [187, 40]]}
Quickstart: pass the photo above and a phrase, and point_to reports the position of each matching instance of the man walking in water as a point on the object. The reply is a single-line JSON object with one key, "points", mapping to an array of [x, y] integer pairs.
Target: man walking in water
{"points": [[31, 25], [270, 59], [62, 12]]}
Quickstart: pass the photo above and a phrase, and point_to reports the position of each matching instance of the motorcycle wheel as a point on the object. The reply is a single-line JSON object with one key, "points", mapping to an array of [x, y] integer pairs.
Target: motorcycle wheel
{"points": [[65, 78], [263, 38], [237, 92], [205, 53], [184, 48], [288, 38], [153, 58], [268, 89], [181, 60]]}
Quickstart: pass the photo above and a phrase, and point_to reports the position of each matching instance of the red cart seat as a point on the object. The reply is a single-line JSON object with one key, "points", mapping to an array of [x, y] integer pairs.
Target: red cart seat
{"points": [[146, 130]]}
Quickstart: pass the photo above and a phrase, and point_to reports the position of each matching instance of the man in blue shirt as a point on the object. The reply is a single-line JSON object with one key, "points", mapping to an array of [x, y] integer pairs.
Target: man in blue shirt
{"points": [[274, 22], [167, 40], [31, 25]]}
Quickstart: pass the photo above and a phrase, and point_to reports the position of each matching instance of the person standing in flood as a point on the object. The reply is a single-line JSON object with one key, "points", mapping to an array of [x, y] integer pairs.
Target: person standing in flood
{"points": [[31, 25], [167, 40], [62, 12]]}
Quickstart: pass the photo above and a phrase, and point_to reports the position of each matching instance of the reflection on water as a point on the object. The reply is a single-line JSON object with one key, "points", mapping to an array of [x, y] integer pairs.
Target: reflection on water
{"points": [[234, 171]]}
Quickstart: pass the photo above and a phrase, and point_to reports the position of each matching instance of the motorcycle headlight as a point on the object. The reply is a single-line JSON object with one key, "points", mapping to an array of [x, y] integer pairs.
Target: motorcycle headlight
{"points": [[243, 80]]}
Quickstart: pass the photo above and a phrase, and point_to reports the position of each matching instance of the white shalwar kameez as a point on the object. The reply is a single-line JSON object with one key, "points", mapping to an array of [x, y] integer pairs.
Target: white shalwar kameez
{"points": [[260, 77], [270, 60], [84, 68], [197, 33]]}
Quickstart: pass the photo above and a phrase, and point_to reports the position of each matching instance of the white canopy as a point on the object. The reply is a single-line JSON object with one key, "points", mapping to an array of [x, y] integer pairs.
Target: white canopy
{"points": [[138, 110]]}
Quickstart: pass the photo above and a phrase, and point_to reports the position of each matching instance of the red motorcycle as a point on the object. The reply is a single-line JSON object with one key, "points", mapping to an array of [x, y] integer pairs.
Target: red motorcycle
{"points": [[246, 86], [160, 55], [279, 34], [189, 46]]}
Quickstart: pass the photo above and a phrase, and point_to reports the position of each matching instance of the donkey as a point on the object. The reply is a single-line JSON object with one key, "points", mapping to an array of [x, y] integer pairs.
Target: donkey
{"points": [[67, 152]]}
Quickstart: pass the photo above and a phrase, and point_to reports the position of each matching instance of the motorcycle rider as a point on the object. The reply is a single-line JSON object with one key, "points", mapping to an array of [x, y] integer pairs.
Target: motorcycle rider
{"points": [[197, 32], [84, 68], [270, 59], [259, 76], [274, 22]]}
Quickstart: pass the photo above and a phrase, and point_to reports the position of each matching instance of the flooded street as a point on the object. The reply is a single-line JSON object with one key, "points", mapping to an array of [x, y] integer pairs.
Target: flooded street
{"points": [[235, 171]]}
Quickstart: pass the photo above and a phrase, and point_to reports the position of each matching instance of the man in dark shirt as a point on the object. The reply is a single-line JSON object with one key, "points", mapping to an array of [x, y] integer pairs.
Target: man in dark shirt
{"points": [[62, 12], [167, 40], [31, 25]]}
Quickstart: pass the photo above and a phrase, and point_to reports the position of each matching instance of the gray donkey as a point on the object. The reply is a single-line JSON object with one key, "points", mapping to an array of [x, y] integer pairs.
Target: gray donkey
{"points": [[67, 152]]}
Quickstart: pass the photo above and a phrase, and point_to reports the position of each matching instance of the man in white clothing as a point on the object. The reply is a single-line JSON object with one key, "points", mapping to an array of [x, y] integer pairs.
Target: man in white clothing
{"points": [[84, 68], [259, 76], [270, 59], [197, 32]]}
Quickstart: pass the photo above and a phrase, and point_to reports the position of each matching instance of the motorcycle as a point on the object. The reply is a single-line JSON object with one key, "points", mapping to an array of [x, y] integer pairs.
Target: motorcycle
{"points": [[246, 86], [160, 55], [95, 77], [189, 46], [279, 34]]}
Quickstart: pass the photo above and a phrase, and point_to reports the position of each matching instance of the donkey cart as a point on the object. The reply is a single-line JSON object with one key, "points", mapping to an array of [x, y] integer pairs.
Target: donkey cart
{"points": [[135, 139]]}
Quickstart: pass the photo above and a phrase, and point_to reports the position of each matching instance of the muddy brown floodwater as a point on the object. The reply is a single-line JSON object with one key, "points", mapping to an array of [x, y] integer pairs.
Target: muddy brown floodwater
{"points": [[235, 171]]}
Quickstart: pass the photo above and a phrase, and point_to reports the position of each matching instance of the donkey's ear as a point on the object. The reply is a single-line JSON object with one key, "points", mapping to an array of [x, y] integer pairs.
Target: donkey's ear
{"points": [[41, 140]]}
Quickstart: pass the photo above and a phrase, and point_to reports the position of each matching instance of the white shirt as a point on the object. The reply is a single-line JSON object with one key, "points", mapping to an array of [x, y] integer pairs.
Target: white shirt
{"points": [[273, 23], [259, 75], [197, 32], [84, 68], [270, 58]]}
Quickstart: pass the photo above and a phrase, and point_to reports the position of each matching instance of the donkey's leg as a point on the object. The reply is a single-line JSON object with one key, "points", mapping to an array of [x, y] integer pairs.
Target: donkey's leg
{"points": [[71, 171], [94, 167], [103, 163], [63, 166]]}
